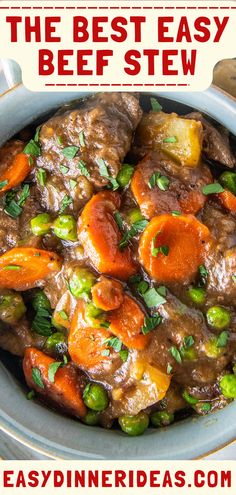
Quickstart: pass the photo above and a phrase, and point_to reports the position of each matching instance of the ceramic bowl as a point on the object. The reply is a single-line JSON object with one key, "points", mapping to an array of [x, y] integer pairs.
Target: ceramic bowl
{"points": [[61, 437]]}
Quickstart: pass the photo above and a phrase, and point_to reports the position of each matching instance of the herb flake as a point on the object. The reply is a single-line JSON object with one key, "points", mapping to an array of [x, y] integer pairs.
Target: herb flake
{"points": [[213, 188], [52, 369], [37, 377], [70, 152]]}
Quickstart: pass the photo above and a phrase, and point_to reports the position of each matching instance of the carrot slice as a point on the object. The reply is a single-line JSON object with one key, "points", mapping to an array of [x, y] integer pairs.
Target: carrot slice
{"points": [[192, 203], [107, 294], [86, 345], [182, 243], [21, 268], [16, 173], [126, 323], [228, 200], [100, 236], [66, 389]]}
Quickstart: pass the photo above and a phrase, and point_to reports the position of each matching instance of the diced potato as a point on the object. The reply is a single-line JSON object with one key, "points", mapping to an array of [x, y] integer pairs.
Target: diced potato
{"points": [[178, 137]]}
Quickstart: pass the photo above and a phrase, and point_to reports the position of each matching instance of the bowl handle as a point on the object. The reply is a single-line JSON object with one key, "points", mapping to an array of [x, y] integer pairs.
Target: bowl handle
{"points": [[11, 71]]}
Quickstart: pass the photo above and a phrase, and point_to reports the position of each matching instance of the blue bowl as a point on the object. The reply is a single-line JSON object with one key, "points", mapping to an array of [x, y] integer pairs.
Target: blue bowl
{"points": [[60, 437]]}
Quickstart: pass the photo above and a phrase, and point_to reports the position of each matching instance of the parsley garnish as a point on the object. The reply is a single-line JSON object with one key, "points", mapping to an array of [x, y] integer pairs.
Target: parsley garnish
{"points": [[151, 322], [118, 219], [52, 369], [222, 339], [159, 249], [152, 298], [103, 170], [12, 267], [64, 170], [206, 407], [156, 107], [136, 227], [42, 176], [42, 323], [67, 200], [213, 188], [73, 184], [83, 169], [176, 213], [14, 208], [142, 287], [161, 181], [32, 148], [3, 183], [31, 394], [70, 152], [169, 369], [135, 279], [203, 273], [234, 278], [124, 354], [37, 378], [63, 315], [81, 139], [115, 343], [59, 140], [24, 195], [170, 139], [188, 341], [105, 352], [176, 354]]}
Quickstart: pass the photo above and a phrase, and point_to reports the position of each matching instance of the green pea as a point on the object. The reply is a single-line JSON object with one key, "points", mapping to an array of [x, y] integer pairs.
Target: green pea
{"points": [[64, 227], [81, 281], [228, 386], [125, 175], [134, 215], [228, 181], [56, 342], [40, 301], [12, 307], [134, 425], [197, 295], [91, 418], [41, 224], [162, 418], [95, 397], [191, 400], [218, 317]]}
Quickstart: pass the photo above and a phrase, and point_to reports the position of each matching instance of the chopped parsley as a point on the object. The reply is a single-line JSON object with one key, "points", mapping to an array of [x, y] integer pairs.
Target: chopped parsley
{"points": [[73, 184], [135, 279], [203, 274], [13, 206], [3, 183], [31, 394], [59, 140], [188, 341], [213, 188], [25, 193], [41, 176], [81, 139], [176, 213], [83, 169], [42, 323], [118, 219], [161, 181], [222, 339], [159, 249], [103, 170], [37, 378], [67, 200], [114, 342], [234, 278], [124, 354], [136, 227], [169, 369], [142, 287], [176, 354], [13, 209], [105, 353], [152, 298], [32, 148], [151, 322], [52, 369], [64, 170], [156, 107], [205, 407], [37, 133], [170, 139], [70, 152]]}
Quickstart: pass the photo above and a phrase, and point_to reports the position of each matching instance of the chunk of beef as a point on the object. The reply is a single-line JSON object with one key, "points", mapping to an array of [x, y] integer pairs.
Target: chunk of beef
{"points": [[16, 339], [215, 141], [101, 128], [183, 192]]}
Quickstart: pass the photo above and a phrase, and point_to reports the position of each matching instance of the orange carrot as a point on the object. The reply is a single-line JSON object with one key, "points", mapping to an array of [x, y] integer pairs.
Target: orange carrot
{"points": [[228, 200], [16, 173], [65, 390], [126, 323], [100, 236], [192, 202], [172, 248], [86, 345], [21, 268], [107, 294]]}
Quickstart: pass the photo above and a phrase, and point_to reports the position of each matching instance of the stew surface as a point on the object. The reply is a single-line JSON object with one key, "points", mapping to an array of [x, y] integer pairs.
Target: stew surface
{"points": [[118, 262]]}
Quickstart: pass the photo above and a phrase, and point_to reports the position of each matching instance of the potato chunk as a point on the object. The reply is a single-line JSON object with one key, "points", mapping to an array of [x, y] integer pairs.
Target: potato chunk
{"points": [[178, 137]]}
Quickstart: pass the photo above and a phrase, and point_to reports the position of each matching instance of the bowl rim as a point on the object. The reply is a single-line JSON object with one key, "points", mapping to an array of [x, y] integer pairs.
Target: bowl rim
{"points": [[52, 449]]}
